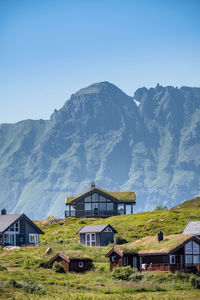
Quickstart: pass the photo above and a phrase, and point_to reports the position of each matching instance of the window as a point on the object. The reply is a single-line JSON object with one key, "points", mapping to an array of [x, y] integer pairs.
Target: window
{"points": [[195, 248], [80, 264], [120, 209], [188, 259], [90, 239], [102, 206], [95, 197], [172, 259], [95, 205], [110, 206], [108, 229], [72, 211], [102, 199], [196, 259], [113, 258], [14, 227], [188, 248], [125, 261], [88, 199], [88, 206], [128, 209], [33, 238]]}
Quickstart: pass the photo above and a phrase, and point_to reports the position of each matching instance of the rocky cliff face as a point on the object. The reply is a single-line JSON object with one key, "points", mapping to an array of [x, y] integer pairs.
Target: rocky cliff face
{"points": [[149, 143]]}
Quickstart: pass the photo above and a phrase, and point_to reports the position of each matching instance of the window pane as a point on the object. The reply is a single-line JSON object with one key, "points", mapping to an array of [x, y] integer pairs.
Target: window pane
{"points": [[67, 213], [188, 248], [95, 205], [72, 208], [102, 206], [196, 260], [95, 197], [102, 199], [195, 248], [88, 199], [121, 209], [109, 206], [188, 259], [88, 237], [67, 207], [88, 206], [128, 209]]}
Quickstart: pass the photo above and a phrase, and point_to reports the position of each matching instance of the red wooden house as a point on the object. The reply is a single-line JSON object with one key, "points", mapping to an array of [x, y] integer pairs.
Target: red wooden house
{"points": [[173, 253], [72, 263]]}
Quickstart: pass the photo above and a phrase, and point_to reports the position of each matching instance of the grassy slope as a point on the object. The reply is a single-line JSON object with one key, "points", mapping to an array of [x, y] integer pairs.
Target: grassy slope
{"points": [[22, 265]]}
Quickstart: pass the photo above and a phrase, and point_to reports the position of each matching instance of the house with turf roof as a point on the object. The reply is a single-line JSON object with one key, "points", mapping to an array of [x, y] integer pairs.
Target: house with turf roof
{"points": [[173, 253], [73, 261], [97, 202]]}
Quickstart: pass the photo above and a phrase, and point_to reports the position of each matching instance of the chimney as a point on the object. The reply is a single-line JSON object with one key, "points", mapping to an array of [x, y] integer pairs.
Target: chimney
{"points": [[160, 236], [3, 211], [92, 184]]}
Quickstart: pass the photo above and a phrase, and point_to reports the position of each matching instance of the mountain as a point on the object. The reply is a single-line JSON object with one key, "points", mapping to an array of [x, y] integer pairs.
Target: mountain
{"points": [[149, 143]]}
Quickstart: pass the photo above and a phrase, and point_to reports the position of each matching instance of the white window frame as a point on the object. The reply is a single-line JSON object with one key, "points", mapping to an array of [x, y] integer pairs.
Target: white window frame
{"points": [[9, 237], [80, 264], [125, 260], [108, 229], [91, 240], [172, 259], [35, 238], [113, 258]]}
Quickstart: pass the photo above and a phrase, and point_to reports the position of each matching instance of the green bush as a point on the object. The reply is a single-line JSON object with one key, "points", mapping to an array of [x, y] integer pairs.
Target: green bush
{"points": [[45, 264], [2, 268], [194, 281], [14, 283], [58, 268], [122, 273], [135, 276], [33, 288], [120, 240]]}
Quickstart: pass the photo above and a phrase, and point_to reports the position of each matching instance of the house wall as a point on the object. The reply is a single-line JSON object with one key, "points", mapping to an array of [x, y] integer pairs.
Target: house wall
{"points": [[74, 265], [118, 261], [106, 238]]}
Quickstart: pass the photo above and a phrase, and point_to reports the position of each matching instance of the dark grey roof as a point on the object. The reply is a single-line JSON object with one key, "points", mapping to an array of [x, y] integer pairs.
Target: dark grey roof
{"points": [[193, 227], [95, 228], [7, 220]]}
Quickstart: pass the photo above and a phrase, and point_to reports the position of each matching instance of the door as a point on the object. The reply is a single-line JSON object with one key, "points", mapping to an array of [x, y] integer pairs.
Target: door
{"points": [[12, 239], [134, 262], [90, 239]]}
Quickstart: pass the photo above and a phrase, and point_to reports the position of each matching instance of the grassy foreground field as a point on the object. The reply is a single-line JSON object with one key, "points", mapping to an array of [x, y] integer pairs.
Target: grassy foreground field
{"points": [[25, 278]]}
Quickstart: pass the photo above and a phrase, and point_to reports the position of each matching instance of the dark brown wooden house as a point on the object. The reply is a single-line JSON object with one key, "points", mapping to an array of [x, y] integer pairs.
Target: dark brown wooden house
{"points": [[173, 253], [97, 202], [72, 263]]}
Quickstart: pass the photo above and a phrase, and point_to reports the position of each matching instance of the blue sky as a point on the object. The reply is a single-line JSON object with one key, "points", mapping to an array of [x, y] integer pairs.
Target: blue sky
{"points": [[49, 49]]}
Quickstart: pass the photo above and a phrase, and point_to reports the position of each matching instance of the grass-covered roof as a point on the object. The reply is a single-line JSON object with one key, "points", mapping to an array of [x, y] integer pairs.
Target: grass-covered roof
{"points": [[150, 244], [74, 254], [120, 196]]}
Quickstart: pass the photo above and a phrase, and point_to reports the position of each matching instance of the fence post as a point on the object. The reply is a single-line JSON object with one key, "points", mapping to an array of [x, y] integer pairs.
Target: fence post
{"points": [[68, 286]]}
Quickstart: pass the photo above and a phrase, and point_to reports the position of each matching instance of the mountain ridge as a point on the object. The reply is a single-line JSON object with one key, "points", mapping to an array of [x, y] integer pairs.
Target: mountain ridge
{"points": [[100, 133]]}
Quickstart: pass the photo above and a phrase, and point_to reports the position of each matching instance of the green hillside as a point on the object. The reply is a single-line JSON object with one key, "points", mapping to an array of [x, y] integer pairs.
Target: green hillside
{"points": [[25, 277]]}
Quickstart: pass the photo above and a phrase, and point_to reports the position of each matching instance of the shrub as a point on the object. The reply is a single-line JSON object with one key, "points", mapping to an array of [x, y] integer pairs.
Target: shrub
{"points": [[195, 282], [2, 268], [45, 264], [58, 268], [122, 273], [135, 276], [33, 288], [14, 283], [120, 240]]}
